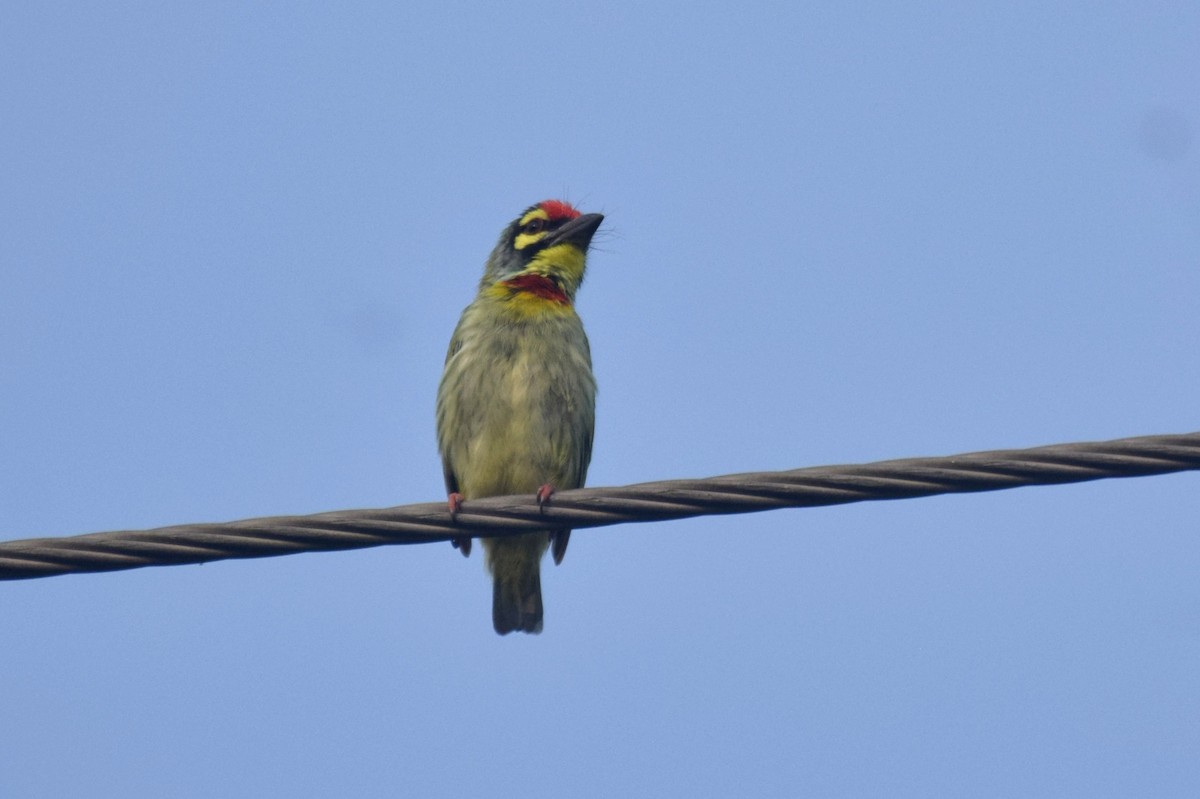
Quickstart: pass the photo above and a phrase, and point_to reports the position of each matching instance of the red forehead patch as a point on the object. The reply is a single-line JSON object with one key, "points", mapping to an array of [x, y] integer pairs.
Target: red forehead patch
{"points": [[557, 209]]}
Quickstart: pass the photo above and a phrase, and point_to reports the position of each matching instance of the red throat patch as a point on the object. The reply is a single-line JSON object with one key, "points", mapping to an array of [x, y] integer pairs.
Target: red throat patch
{"points": [[539, 286], [557, 209]]}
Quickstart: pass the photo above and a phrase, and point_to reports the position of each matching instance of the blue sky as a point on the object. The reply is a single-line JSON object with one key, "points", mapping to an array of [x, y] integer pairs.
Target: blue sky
{"points": [[236, 241]]}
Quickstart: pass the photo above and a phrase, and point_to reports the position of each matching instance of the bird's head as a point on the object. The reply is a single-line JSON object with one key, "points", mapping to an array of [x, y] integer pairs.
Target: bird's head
{"points": [[543, 251]]}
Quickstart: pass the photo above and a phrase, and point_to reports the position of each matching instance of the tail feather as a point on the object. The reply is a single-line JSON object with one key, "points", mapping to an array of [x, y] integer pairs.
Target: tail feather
{"points": [[517, 600], [558, 544]]}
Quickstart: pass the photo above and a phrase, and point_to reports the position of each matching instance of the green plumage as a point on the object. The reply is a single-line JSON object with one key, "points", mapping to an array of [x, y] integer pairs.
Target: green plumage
{"points": [[516, 404]]}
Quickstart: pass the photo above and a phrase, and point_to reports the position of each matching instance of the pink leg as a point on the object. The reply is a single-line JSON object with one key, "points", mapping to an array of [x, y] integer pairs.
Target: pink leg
{"points": [[558, 538], [455, 501]]}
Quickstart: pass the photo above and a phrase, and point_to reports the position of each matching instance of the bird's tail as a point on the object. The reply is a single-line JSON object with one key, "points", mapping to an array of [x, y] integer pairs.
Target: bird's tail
{"points": [[517, 582]]}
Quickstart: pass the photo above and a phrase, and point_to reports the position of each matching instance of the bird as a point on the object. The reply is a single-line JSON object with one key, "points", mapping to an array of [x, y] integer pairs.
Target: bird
{"points": [[516, 404]]}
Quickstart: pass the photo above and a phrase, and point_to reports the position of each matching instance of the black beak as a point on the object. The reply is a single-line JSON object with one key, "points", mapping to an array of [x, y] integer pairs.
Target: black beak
{"points": [[578, 231]]}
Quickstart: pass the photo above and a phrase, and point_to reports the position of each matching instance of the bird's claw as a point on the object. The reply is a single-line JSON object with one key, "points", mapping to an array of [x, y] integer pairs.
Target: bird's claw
{"points": [[543, 495], [455, 501]]}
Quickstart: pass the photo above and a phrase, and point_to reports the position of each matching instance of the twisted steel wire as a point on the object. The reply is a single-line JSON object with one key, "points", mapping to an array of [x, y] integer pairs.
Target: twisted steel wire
{"points": [[596, 507]]}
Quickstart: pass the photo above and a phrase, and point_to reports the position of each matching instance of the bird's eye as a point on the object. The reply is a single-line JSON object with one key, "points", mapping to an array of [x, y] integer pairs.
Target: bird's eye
{"points": [[534, 226]]}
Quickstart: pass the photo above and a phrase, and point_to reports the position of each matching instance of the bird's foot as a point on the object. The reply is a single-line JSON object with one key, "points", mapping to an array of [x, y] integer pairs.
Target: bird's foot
{"points": [[543, 495], [558, 538], [455, 501]]}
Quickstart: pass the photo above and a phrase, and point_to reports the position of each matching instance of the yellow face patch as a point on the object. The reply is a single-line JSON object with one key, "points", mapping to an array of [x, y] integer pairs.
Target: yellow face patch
{"points": [[532, 228], [566, 261]]}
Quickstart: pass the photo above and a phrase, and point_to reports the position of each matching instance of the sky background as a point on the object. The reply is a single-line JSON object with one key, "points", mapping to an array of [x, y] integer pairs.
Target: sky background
{"points": [[234, 241]]}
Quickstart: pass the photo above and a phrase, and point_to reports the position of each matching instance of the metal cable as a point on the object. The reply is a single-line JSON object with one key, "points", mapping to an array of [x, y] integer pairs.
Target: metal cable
{"points": [[596, 507]]}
